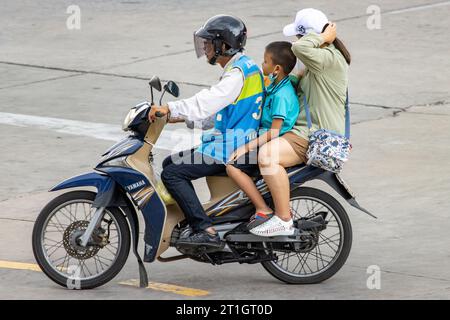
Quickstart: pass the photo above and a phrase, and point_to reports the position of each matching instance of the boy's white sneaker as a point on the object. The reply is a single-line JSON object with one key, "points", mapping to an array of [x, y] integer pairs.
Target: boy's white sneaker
{"points": [[274, 227]]}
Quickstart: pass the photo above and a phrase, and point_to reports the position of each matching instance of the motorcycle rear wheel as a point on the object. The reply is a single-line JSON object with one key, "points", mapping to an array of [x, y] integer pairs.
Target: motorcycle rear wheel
{"points": [[315, 265]]}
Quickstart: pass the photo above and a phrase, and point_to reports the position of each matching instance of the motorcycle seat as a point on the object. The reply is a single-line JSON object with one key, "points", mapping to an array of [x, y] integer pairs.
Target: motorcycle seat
{"points": [[297, 166], [290, 169]]}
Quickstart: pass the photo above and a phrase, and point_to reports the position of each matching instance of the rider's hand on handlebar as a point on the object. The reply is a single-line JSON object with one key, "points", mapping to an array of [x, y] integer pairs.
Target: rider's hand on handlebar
{"points": [[157, 111]]}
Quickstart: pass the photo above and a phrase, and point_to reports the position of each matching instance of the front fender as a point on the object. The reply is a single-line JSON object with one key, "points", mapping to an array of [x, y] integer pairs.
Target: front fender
{"points": [[106, 187]]}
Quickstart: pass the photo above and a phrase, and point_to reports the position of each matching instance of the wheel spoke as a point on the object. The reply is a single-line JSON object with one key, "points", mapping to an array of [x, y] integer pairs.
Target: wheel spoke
{"points": [[106, 247], [299, 261], [86, 267], [66, 222], [54, 261], [64, 261], [58, 225], [320, 257], [289, 255], [52, 240], [106, 262], [54, 250], [96, 265], [70, 210], [325, 247], [71, 217], [304, 260], [328, 239], [101, 257], [317, 258], [112, 244]]}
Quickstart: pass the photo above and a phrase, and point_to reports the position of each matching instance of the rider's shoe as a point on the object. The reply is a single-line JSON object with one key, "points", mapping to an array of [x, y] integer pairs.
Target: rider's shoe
{"points": [[274, 227], [258, 219], [202, 238], [186, 232]]}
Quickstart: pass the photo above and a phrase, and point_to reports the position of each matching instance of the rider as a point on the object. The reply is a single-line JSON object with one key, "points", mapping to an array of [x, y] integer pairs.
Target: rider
{"points": [[236, 100]]}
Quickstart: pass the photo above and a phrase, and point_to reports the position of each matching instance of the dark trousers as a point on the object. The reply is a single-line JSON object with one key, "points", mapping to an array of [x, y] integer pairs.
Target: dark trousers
{"points": [[178, 172]]}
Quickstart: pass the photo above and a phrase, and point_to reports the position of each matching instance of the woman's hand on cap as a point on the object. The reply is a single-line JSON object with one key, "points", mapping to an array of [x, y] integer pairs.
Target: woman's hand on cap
{"points": [[330, 33]]}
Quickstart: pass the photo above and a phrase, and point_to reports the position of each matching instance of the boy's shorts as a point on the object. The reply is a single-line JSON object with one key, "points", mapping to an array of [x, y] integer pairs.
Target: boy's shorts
{"points": [[299, 144], [248, 163]]}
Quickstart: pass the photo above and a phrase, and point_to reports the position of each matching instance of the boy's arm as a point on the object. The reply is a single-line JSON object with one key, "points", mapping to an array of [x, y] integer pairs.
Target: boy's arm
{"points": [[270, 134], [279, 112]]}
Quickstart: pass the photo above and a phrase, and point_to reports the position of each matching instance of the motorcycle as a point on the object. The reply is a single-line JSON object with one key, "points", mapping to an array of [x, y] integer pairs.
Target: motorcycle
{"points": [[82, 238]]}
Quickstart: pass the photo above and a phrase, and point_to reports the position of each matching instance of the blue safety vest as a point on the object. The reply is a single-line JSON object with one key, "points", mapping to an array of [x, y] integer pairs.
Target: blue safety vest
{"points": [[237, 123]]}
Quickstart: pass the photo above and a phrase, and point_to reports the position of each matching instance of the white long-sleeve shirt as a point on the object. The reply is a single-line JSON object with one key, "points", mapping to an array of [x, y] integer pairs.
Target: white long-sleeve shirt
{"points": [[207, 102]]}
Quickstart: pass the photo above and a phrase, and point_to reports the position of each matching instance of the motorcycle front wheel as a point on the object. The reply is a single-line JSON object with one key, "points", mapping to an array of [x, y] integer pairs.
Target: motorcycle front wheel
{"points": [[56, 247]]}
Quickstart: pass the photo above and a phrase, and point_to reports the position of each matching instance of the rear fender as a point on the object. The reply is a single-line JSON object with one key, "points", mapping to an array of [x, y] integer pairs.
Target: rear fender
{"points": [[309, 173], [336, 182]]}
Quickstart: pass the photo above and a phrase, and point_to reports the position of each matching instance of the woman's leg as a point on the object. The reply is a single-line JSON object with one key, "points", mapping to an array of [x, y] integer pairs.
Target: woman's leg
{"points": [[273, 157], [248, 186]]}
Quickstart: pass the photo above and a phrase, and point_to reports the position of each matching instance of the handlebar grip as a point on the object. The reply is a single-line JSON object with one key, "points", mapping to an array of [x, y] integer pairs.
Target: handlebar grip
{"points": [[159, 114]]}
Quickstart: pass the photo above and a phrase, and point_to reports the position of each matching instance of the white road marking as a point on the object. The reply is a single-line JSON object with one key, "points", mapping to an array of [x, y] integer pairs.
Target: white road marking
{"points": [[424, 7], [171, 140]]}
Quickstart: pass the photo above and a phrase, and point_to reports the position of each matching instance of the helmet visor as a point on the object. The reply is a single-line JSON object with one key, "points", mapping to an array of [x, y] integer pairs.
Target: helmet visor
{"points": [[200, 45]]}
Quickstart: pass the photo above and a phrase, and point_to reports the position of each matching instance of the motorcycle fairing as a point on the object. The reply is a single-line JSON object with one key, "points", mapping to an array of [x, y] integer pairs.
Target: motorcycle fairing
{"points": [[140, 190], [144, 196], [125, 147], [108, 195]]}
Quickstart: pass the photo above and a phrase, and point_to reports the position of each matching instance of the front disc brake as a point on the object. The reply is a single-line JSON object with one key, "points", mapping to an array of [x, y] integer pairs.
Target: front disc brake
{"points": [[70, 240]]}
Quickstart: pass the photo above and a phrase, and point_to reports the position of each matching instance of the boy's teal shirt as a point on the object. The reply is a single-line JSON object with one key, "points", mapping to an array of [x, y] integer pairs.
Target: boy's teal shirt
{"points": [[281, 102]]}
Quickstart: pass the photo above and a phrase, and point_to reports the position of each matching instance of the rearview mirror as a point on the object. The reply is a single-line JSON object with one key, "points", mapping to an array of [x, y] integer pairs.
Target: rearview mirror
{"points": [[155, 83], [172, 88]]}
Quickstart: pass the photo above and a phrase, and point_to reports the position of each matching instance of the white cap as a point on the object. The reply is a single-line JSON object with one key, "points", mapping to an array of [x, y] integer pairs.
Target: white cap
{"points": [[306, 21]]}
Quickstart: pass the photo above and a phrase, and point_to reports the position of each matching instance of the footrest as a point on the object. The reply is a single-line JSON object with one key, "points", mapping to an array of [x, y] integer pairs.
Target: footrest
{"points": [[248, 237]]}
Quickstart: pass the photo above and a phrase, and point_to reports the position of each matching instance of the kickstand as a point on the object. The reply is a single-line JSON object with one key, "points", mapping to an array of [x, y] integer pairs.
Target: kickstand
{"points": [[202, 251]]}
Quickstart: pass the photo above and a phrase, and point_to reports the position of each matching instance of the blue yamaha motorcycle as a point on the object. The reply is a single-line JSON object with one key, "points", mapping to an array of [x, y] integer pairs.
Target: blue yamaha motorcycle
{"points": [[82, 238]]}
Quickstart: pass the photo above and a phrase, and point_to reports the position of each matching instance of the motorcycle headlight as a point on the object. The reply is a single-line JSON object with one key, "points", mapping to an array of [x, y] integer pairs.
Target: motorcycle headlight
{"points": [[130, 117]]}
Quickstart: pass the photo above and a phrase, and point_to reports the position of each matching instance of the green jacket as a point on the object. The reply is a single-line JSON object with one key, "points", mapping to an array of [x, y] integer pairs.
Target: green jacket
{"points": [[325, 83]]}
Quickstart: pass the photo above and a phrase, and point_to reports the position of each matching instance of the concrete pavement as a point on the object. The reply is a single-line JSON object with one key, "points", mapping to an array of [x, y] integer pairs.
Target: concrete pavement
{"points": [[400, 104]]}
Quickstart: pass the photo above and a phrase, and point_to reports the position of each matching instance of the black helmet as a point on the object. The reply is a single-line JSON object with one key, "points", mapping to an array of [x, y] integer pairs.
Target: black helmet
{"points": [[221, 29]]}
